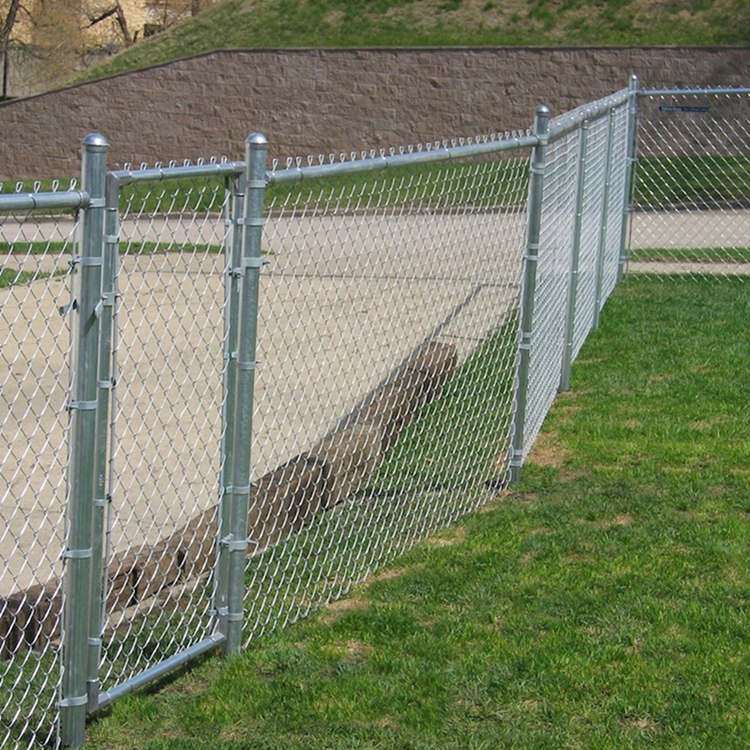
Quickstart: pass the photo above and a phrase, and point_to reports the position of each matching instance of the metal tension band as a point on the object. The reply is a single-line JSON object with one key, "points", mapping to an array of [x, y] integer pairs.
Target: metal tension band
{"points": [[95, 642], [95, 260], [251, 222], [108, 299], [78, 700], [105, 385], [77, 554], [97, 203], [100, 502], [112, 239], [232, 490], [83, 405], [246, 366], [537, 170], [237, 617], [256, 184]]}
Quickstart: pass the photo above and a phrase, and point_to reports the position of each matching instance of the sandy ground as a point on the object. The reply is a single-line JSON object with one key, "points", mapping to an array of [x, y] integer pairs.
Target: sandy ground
{"points": [[343, 300]]}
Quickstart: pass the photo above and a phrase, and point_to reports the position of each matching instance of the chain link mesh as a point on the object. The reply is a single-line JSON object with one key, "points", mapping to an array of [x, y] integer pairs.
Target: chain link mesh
{"points": [[167, 423], [691, 203], [387, 361], [387, 340], [36, 253]]}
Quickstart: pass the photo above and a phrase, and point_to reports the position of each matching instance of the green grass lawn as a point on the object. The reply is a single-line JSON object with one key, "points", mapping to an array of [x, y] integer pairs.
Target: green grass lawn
{"points": [[603, 603], [357, 23]]}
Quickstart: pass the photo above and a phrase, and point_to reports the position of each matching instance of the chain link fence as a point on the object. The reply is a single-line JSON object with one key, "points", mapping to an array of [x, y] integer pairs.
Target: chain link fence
{"points": [[232, 390], [691, 200], [37, 252]]}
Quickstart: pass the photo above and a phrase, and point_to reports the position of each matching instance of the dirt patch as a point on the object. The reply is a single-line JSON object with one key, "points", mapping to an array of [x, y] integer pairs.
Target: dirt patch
{"points": [[353, 648], [448, 538], [643, 723], [339, 608], [548, 452], [624, 519], [390, 573]]}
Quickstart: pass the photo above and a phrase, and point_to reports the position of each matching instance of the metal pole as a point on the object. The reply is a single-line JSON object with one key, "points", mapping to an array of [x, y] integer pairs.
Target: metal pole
{"points": [[83, 406], [232, 292], [603, 223], [629, 168], [573, 283], [105, 384], [531, 257], [256, 149]]}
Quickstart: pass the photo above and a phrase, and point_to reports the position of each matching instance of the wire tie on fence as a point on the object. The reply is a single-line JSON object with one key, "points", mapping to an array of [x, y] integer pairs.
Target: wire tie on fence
{"points": [[65, 309], [78, 554], [240, 545], [78, 700], [82, 405]]}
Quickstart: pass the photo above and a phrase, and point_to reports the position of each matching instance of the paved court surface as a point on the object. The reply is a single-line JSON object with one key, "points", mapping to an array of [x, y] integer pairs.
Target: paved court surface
{"points": [[343, 300]]}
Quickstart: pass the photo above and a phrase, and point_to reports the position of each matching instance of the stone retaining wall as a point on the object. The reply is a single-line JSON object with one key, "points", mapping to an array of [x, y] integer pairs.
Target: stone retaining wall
{"points": [[329, 101]]}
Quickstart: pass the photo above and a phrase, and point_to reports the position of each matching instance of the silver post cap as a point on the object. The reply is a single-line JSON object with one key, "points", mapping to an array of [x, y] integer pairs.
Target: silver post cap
{"points": [[95, 140], [257, 139]]}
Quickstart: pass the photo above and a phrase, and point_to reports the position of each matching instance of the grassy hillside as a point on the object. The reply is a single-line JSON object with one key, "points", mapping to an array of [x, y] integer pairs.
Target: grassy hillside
{"points": [[354, 23]]}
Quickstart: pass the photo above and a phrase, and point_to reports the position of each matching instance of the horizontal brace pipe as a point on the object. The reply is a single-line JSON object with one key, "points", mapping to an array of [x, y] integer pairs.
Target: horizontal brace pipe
{"points": [[692, 92], [298, 174], [160, 669], [154, 174], [52, 200]]}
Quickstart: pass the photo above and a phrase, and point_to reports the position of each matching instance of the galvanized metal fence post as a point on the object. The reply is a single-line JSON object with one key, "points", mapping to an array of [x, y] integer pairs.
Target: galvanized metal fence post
{"points": [[575, 258], [256, 149], [531, 258], [231, 320], [629, 168], [603, 222], [105, 385], [83, 405]]}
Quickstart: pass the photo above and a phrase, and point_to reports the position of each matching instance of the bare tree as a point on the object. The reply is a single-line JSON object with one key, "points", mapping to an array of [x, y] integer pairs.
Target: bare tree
{"points": [[119, 14], [6, 32]]}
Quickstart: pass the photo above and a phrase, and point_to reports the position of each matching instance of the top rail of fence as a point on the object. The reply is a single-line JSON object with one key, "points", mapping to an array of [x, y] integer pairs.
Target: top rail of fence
{"points": [[564, 123], [389, 161], [693, 92], [66, 199], [191, 171]]}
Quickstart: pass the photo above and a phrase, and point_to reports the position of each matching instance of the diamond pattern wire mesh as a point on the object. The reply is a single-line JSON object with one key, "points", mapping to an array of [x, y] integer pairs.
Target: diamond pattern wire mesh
{"points": [[553, 269], [691, 212], [593, 198], [166, 460], [36, 250], [384, 395]]}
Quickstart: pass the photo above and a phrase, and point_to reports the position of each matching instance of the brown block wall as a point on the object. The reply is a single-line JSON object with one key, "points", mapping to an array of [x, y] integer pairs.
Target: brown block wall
{"points": [[329, 101]]}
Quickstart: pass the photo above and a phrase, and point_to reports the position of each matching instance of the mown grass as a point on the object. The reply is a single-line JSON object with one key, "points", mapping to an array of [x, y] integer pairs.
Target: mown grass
{"points": [[692, 255], [358, 23], [695, 181], [602, 603]]}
